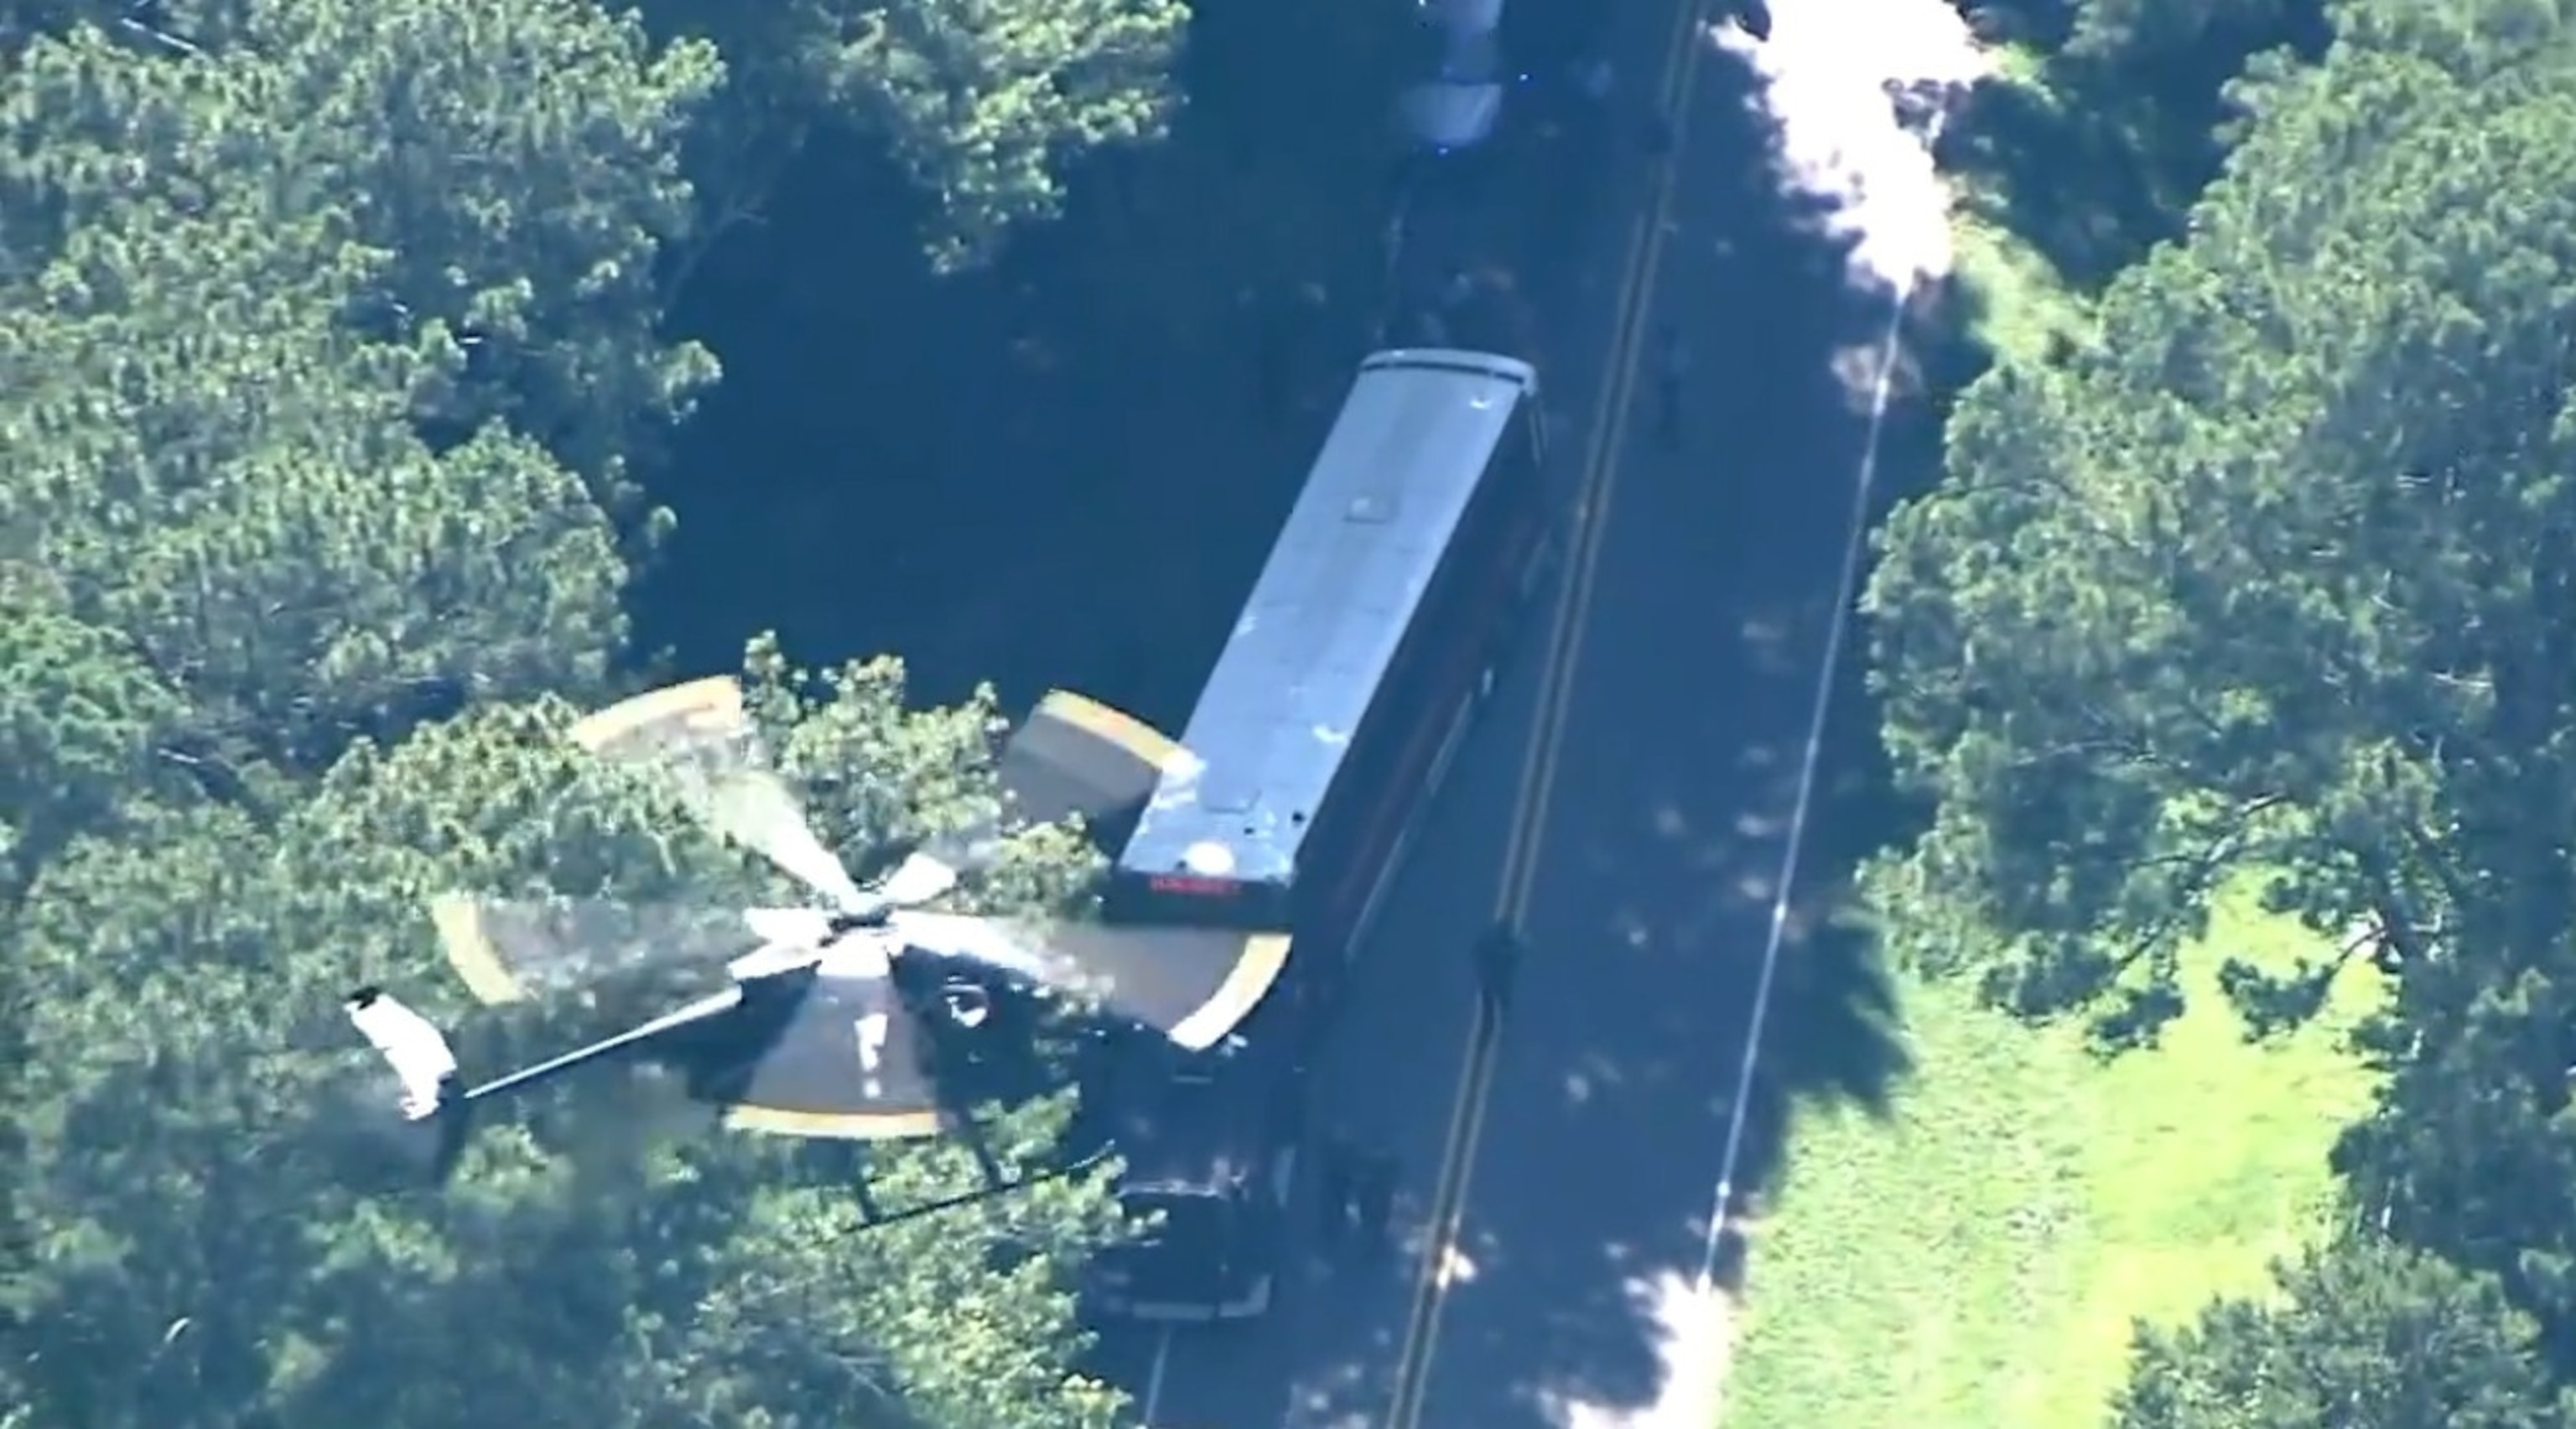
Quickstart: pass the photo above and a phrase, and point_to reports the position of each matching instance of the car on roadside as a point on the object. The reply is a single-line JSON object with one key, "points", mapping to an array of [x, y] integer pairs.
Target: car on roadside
{"points": [[1458, 101]]}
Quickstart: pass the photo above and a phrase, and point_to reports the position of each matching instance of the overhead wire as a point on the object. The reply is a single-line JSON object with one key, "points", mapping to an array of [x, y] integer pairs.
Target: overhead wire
{"points": [[1721, 1219]]}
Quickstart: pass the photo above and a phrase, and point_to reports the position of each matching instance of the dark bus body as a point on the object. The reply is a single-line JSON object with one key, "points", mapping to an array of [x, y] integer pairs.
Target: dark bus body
{"points": [[1208, 1143], [1378, 627]]}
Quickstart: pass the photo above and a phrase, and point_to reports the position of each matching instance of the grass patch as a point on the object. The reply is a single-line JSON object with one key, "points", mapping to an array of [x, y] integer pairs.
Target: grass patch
{"points": [[1976, 1259], [2013, 301], [2016, 306]]}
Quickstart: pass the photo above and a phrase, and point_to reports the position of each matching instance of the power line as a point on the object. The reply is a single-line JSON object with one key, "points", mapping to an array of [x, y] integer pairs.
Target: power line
{"points": [[1855, 543]]}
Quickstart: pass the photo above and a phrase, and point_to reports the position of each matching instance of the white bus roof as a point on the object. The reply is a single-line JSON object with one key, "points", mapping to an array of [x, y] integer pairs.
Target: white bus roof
{"points": [[1340, 590]]}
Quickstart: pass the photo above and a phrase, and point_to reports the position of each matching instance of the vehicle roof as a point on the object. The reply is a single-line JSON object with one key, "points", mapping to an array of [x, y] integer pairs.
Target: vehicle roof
{"points": [[1189, 1122], [1464, 17], [1339, 591]]}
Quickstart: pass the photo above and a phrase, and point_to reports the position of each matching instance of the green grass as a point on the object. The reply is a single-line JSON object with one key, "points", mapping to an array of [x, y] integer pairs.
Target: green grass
{"points": [[2018, 308], [2015, 303], [1976, 1259]]}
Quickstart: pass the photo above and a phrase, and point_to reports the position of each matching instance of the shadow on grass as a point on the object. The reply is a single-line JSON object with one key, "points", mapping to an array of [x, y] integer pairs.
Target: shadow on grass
{"points": [[1835, 1034], [2074, 186]]}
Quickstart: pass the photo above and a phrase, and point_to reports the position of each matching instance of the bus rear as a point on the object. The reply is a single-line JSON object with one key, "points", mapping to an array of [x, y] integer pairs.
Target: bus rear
{"points": [[1389, 601], [1180, 899]]}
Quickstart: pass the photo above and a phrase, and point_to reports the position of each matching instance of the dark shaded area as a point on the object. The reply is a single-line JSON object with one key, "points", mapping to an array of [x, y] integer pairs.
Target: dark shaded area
{"points": [[1617, 1065], [1062, 471], [1089, 511], [2125, 129], [1595, 1197]]}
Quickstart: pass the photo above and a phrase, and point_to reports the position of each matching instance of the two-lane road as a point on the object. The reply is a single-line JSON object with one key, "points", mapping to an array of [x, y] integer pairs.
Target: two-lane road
{"points": [[1558, 1167]]}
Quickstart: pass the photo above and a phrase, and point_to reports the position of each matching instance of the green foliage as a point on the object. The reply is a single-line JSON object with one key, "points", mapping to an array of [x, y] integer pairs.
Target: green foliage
{"points": [[2104, 123], [846, 725], [387, 169], [205, 457], [79, 719], [326, 335], [2270, 580], [2117, 31], [191, 967], [984, 103], [984, 98], [808, 1318], [2365, 1334], [2237, 589]]}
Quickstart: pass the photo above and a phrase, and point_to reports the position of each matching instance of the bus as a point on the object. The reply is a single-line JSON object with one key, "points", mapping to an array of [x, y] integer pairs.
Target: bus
{"points": [[1377, 630]]}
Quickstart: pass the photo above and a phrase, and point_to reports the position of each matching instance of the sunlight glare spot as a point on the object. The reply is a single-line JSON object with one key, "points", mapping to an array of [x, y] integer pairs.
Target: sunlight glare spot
{"points": [[1630, 928], [1456, 1266], [1596, 1075], [1691, 1334], [1829, 71]]}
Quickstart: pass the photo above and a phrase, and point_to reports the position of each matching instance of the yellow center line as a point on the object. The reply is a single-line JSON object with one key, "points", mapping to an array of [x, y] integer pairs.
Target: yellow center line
{"points": [[1643, 260]]}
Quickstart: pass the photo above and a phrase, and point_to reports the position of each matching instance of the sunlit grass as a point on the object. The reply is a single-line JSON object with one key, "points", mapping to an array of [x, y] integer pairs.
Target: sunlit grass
{"points": [[2017, 307], [2016, 304], [1976, 1259]]}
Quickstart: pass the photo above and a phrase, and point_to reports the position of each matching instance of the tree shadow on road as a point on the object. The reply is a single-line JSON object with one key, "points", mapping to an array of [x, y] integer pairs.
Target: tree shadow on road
{"points": [[988, 473], [1590, 1229], [1574, 1296]]}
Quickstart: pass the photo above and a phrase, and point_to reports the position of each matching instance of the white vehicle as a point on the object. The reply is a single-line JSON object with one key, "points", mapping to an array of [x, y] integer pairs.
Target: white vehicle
{"points": [[1461, 103]]}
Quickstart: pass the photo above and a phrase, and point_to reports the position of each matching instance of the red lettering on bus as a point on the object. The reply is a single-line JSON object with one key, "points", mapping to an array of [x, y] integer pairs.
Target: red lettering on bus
{"points": [[1195, 887]]}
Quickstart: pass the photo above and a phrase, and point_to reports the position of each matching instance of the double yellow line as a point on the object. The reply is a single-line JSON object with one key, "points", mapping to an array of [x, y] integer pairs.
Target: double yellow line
{"points": [[1643, 261]]}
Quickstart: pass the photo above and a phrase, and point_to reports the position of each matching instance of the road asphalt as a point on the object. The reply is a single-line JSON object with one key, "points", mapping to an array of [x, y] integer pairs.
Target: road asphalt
{"points": [[1557, 1168]]}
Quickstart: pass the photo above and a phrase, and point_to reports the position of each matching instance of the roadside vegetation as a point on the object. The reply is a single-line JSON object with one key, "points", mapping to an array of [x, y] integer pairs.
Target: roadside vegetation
{"points": [[1976, 1256], [2248, 576], [338, 379], [2005, 300]]}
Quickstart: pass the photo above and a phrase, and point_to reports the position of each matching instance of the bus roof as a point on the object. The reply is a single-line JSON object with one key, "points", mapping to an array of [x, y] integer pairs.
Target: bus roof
{"points": [[1289, 690]]}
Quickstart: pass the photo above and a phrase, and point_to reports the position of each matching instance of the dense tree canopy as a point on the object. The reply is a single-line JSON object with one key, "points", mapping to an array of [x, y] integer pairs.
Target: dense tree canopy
{"points": [[385, 170], [2092, 145], [2272, 583], [202, 1211], [982, 102], [328, 336], [2368, 1335], [2261, 580]]}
